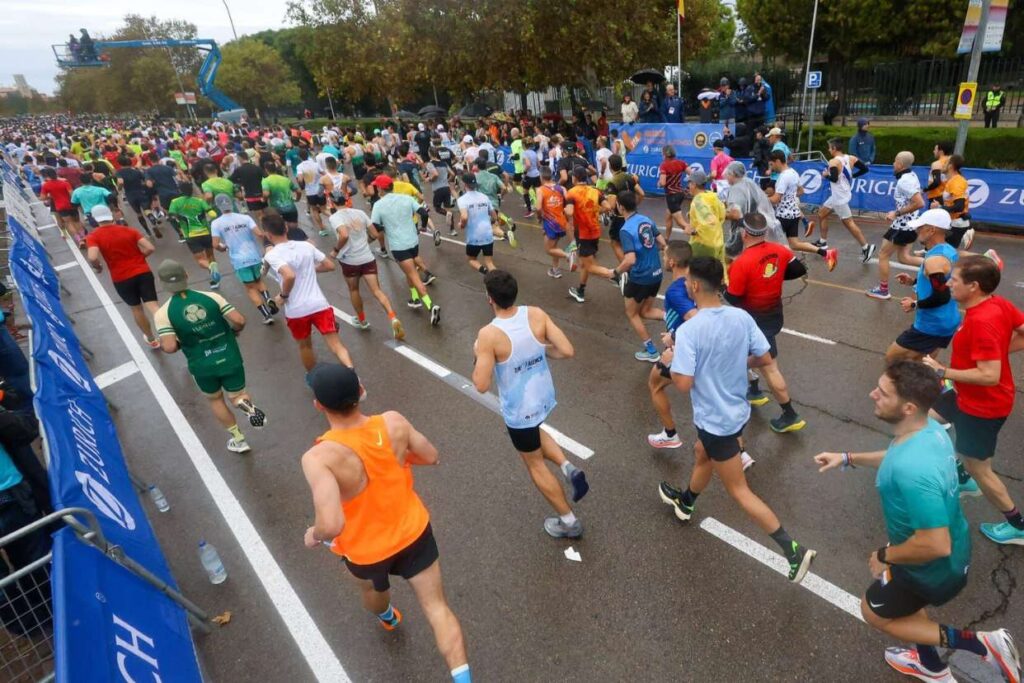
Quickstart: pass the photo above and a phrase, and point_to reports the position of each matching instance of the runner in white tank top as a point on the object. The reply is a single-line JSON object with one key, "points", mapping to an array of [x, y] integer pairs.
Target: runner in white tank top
{"points": [[841, 172]]}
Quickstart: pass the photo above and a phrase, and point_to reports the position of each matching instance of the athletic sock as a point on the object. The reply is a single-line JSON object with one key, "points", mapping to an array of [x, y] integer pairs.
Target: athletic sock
{"points": [[961, 639], [482, 269], [581, 289], [414, 294], [670, 432], [884, 286], [1015, 519], [567, 468], [962, 472], [427, 302], [754, 386], [460, 674], [264, 310], [361, 315], [787, 409], [236, 433], [265, 294], [568, 518], [785, 542], [689, 497], [649, 346], [822, 251], [388, 615], [929, 657], [391, 315]]}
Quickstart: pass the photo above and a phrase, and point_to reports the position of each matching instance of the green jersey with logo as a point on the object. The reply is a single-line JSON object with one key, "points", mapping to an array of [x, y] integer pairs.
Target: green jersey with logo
{"points": [[206, 338], [281, 191], [218, 186], [193, 210]]}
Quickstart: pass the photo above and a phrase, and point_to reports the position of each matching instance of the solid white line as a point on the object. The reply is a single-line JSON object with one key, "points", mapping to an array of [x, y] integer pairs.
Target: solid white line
{"points": [[422, 361], [811, 337], [65, 266], [311, 642], [116, 374], [568, 443], [896, 264], [823, 589], [47, 226]]}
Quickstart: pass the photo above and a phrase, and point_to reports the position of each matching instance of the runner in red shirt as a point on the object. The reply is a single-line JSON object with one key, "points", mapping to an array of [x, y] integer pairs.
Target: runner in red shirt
{"points": [[584, 204], [125, 250], [756, 277], [983, 394], [58, 192], [670, 177]]}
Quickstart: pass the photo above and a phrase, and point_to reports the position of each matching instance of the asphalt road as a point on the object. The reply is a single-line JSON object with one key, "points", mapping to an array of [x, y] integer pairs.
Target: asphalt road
{"points": [[651, 599]]}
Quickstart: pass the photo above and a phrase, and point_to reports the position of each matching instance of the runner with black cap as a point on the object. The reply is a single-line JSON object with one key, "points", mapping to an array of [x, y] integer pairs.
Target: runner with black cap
{"points": [[360, 475]]}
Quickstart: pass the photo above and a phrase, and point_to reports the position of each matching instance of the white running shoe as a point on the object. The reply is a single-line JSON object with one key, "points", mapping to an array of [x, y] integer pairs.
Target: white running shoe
{"points": [[967, 240], [746, 460], [238, 445], [1002, 653], [663, 440]]}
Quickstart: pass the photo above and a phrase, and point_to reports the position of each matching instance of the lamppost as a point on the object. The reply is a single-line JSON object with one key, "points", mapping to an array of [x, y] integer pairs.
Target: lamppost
{"points": [[807, 71], [233, 31]]}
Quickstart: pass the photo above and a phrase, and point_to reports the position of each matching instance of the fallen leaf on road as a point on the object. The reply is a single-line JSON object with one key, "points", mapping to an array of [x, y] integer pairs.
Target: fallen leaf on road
{"points": [[222, 619]]}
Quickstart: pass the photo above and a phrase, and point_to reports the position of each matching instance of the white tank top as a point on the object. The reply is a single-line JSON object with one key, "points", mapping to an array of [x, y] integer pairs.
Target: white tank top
{"points": [[842, 189], [338, 186], [525, 389]]}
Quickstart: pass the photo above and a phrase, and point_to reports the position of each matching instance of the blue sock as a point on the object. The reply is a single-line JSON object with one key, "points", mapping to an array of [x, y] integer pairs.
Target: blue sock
{"points": [[461, 674], [387, 615], [649, 345], [929, 657], [961, 639]]}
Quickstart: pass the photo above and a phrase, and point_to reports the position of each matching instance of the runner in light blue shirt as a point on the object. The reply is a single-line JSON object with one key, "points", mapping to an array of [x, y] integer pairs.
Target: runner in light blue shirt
{"points": [[476, 213], [237, 234]]}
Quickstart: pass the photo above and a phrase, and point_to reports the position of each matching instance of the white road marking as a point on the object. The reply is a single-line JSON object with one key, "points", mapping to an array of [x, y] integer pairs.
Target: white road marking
{"points": [[811, 337], [65, 266], [896, 264], [47, 226], [823, 589], [569, 444], [322, 661], [116, 374], [422, 361]]}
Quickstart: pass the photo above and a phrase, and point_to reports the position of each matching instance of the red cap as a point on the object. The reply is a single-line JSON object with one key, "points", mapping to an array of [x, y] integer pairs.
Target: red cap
{"points": [[383, 182]]}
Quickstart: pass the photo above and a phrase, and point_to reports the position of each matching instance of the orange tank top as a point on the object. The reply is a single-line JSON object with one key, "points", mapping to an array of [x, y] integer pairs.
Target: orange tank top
{"points": [[387, 515]]}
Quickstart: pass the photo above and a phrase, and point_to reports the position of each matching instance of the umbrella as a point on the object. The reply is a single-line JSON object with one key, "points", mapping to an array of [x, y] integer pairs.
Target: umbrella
{"points": [[645, 76], [502, 117], [432, 110], [709, 95], [594, 105], [475, 110], [403, 114]]}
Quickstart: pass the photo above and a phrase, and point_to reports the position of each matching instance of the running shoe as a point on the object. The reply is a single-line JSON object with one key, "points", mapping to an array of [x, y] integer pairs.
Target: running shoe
{"points": [[663, 440], [831, 258], [362, 324], [879, 293], [268, 320], [1003, 533], [757, 398], [556, 528], [1002, 653], [820, 244], [555, 272], [784, 424], [513, 241], [572, 246], [908, 662], [215, 275], [674, 497], [572, 261], [577, 479], [414, 303], [384, 254], [967, 240], [577, 295], [648, 356], [395, 621], [530, 214], [214, 285], [257, 418], [152, 343], [324, 233], [238, 445], [969, 489], [435, 315], [272, 306], [437, 238], [157, 232], [867, 252], [622, 279], [397, 331], [800, 559], [992, 254], [746, 460], [808, 228], [428, 277]]}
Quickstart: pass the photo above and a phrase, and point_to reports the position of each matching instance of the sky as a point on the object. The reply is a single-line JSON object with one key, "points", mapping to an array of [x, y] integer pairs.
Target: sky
{"points": [[29, 27]]}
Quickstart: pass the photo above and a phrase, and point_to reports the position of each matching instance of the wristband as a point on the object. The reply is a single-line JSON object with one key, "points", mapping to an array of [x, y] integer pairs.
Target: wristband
{"points": [[880, 554], [284, 295], [847, 461]]}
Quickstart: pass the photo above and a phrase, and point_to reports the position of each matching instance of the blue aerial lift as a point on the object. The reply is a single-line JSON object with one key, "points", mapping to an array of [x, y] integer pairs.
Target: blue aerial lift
{"points": [[93, 54]]}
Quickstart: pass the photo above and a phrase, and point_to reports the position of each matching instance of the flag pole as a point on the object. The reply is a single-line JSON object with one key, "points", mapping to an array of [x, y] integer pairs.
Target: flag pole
{"points": [[679, 52]]}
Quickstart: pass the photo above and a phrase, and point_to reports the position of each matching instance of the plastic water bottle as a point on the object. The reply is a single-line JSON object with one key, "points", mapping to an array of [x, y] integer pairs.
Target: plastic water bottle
{"points": [[211, 563], [158, 498]]}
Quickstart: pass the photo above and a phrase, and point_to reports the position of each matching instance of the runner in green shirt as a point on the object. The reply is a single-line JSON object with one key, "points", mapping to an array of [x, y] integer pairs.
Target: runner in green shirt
{"points": [[216, 185], [929, 550], [203, 325], [193, 217], [279, 192]]}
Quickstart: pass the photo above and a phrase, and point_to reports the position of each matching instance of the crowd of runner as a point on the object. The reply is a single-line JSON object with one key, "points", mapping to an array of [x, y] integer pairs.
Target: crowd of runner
{"points": [[241, 189]]}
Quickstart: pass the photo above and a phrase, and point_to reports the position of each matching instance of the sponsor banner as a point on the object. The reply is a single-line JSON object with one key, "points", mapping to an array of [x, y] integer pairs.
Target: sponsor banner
{"points": [[87, 469]]}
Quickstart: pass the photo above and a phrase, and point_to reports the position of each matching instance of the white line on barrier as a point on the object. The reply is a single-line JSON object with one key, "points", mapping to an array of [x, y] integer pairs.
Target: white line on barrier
{"points": [[116, 374], [825, 590], [314, 647]]}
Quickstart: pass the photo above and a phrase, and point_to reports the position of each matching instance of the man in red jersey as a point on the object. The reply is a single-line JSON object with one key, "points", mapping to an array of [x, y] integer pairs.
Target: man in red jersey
{"points": [[670, 178], [58, 192]]}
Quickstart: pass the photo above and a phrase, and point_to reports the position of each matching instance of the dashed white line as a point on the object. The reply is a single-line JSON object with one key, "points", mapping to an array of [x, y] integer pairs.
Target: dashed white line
{"points": [[116, 374], [422, 361], [65, 266], [825, 590], [811, 337]]}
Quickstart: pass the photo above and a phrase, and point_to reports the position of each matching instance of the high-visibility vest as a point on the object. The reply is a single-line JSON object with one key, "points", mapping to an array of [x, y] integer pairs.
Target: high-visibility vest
{"points": [[993, 99]]}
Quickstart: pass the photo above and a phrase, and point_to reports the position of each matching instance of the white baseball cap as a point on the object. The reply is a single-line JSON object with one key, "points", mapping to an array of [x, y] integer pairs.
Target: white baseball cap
{"points": [[440, 126], [936, 218], [468, 139], [101, 213]]}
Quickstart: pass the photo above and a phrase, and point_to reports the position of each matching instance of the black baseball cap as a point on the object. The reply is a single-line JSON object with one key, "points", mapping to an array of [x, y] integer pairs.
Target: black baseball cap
{"points": [[335, 386]]}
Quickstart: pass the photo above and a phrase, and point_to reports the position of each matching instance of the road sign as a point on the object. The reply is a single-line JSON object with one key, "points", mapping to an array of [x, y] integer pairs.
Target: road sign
{"points": [[814, 79], [965, 101]]}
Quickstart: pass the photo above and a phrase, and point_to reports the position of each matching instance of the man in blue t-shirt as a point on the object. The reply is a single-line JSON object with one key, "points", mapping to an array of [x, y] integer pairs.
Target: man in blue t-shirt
{"points": [[238, 234], [928, 552], [711, 354], [639, 273], [679, 307], [936, 316]]}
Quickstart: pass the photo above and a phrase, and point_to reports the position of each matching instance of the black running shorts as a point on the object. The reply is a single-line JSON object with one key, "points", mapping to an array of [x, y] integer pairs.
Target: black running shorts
{"points": [[896, 595], [900, 238], [474, 250], [975, 437], [137, 289], [720, 448], [915, 340], [526, 440], [408, 562]]}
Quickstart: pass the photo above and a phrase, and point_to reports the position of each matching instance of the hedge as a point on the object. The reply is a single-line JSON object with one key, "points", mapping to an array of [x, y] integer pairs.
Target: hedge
{"points": [[986, 147]]}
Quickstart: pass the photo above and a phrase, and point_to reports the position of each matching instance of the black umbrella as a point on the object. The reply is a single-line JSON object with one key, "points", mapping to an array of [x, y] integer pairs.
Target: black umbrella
{"points": [[407, 115], [645, 76], [595, 105], [475, 110], [432, 110]]}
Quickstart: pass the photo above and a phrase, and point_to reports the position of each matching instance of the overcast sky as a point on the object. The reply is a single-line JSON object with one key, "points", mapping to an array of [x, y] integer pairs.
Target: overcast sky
{"points": [[29, 27]]}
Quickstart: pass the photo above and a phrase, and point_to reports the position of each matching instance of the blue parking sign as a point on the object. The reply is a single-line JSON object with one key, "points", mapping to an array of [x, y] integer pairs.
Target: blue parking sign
{"points": [[813, 79]]}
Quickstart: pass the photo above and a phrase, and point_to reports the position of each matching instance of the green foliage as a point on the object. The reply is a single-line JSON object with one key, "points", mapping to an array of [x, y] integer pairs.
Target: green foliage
{"points": [[986, 148], [256, 76]]}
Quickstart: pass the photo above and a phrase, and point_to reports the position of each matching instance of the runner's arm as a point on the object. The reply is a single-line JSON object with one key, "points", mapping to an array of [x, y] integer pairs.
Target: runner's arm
{"points": [[639, 191], [985, 374], [329, 517], [1017, 341], [343, 238], [795, 269], [145, 246], [418, 449], [936, 180], [93, 256], [662, 179], [925, 545], [937, 268], [828, 461], [558, 345], [860, 168], [483, 365], [759, 361]]}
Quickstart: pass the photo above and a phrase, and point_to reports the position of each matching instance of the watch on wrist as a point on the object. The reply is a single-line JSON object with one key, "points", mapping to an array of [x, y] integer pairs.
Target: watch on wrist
{"points": [[880, 554], [941, 372], [284, 295]]}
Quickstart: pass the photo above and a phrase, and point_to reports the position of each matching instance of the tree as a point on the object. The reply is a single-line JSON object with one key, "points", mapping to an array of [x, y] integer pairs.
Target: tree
{"points": [[256, 76]]}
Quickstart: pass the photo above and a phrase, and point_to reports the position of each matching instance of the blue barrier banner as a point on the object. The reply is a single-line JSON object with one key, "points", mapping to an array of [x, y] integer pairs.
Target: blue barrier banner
{"points": [[30, 255], [995, 196], [114, 625], [87, 469]]}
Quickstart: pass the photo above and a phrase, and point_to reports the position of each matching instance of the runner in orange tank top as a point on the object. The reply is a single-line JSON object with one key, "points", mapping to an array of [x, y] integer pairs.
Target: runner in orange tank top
{"points": [[360, 474]]}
